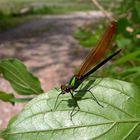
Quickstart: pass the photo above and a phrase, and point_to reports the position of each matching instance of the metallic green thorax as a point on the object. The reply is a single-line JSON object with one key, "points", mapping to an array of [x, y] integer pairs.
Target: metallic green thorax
{"points": [[74, 82]]}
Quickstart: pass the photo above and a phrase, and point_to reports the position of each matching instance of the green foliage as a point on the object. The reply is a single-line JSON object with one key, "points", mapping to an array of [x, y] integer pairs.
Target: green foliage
{"points": [[15, 7], [86, 37], [7, 97], [7, 21], [134, 56], [128, 38], [11, 12], [118, 119], [120, 115], [22, 81], [132, 74], [128, 30]]}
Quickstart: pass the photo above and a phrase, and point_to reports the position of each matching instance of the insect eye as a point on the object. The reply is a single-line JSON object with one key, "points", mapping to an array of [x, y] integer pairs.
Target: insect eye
{"points": [[63, 87]]}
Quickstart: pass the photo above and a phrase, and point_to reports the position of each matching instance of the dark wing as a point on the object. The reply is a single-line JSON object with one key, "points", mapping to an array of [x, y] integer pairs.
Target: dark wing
{"points": [[96, 54]]}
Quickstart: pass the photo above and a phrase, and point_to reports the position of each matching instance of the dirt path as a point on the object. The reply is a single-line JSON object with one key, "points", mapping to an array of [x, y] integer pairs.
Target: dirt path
{"points": [[48, 49]]}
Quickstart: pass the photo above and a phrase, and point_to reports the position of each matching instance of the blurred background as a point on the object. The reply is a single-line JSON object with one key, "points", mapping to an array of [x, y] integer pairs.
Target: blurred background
{"points": [[52, 37]]}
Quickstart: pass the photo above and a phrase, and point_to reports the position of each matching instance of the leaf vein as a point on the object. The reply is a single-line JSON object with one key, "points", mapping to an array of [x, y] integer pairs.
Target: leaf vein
{"points": [[118, 109], [131, 131], [106, 130], [72, 127], [119, 92], [20, 79]]}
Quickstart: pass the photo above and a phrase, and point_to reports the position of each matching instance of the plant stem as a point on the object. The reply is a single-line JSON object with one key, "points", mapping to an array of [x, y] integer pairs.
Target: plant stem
{"points": [[110, 18]]}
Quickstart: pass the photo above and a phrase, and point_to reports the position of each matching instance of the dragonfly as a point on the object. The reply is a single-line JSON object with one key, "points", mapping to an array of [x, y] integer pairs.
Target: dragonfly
{"points": [[91, 63]]}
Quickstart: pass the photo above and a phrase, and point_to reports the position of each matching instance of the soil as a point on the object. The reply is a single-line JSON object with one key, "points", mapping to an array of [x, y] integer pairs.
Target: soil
{"points": [[47, 47]]}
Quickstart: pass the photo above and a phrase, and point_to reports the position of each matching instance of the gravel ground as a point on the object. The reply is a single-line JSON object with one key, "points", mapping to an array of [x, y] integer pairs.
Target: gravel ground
{"points": [[48, 49]]}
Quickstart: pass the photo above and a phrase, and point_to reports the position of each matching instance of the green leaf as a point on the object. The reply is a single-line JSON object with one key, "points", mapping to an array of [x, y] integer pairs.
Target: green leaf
{"points": [[136, 12], [131, 56], [123, 41], [131, 70], [132, 75], [21, 100], [118, 119], [22, 81], [137, 6], [122, 24], [90, 42], [6, 97], [86, 36]]}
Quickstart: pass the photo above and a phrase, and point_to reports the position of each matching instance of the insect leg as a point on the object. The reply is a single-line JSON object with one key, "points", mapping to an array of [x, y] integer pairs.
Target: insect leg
{"points": [[75, 105], [94, 98], [55, 105], [57, 89], [73, 113]]}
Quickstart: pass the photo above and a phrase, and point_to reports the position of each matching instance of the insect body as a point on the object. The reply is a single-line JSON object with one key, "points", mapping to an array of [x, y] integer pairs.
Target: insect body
{"points": [[91, 63]]}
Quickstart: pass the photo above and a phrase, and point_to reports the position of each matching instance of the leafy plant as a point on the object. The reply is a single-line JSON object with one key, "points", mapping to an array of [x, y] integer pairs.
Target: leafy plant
{"points": [[119, 118], [7, 97], [86, 36], [22, 81], [7, 21], [128, 37]]}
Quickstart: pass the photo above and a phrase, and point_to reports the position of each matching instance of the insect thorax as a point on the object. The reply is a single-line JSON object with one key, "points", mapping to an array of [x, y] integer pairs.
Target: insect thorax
{"points": [[72, 85], [74, 82]]}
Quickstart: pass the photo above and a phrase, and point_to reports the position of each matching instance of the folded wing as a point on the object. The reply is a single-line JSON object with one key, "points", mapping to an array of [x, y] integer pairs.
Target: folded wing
{"points": [[96, 54]]}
